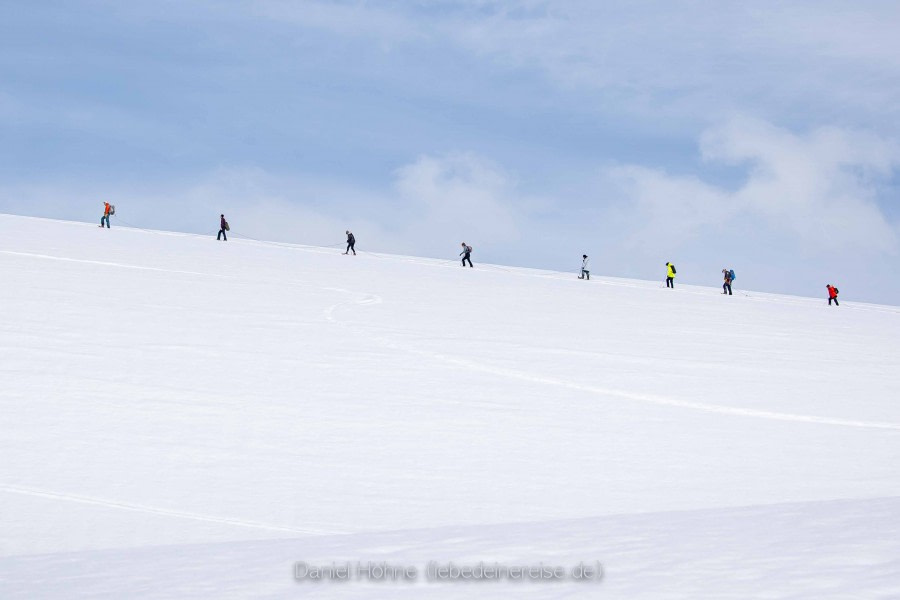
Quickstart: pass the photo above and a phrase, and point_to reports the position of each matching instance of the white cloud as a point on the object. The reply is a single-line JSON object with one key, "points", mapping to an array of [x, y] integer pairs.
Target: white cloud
{"points": [[462, 195], [675, 59], [819, 189], [659, 210], [701, 56]]}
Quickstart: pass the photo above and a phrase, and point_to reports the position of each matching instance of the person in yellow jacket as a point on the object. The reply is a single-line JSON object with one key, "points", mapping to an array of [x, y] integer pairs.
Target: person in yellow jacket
{"points": [[670, 275]]}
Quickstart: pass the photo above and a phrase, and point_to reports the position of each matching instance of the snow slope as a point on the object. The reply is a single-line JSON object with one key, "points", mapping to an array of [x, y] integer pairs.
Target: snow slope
{"points": [[186, 418]]}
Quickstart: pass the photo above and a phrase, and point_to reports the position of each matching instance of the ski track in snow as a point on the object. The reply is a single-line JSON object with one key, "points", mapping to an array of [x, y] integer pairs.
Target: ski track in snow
{"points": [[108, 264], [26, 491], [370, 299]]}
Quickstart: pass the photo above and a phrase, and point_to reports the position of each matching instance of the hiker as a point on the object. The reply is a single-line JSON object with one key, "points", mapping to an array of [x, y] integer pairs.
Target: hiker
{"points": [[107, 210], [832, 294], [466, 254], [351, 243], [670, 275], [223, 227], [729, 277], [585, 267]]}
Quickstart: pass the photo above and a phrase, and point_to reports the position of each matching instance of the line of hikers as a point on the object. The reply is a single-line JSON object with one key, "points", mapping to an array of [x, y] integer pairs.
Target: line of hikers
{"points": [[466, 254], [727, 274]]}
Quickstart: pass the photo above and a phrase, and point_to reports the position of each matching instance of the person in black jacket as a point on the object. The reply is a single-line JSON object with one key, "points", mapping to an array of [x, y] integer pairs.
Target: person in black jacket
{"points": [[351, 243], [466, 254], [223, 227]]}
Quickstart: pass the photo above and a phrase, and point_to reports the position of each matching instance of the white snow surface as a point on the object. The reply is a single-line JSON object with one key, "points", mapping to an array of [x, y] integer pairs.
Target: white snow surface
{"points": [[186, 418]]}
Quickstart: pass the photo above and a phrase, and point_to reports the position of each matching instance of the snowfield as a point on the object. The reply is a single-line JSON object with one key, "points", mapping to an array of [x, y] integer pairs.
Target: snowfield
{"points": [[183, 418]]}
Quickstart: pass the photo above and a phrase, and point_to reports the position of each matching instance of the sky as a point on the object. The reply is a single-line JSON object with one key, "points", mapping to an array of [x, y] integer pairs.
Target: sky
{"points": [[759, 136]]}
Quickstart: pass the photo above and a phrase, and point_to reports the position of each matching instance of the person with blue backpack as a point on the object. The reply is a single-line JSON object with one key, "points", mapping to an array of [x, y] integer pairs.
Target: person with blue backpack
{"points": [[729, 277]]}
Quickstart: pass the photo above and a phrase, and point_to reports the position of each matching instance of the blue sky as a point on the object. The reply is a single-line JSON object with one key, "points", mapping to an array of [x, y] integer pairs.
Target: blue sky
{"points": [[760, 136]]}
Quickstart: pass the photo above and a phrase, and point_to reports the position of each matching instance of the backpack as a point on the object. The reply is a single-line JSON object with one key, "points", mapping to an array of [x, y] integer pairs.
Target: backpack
{"points": [[731, 274], [673, 269], [836, 292], [469, 249], [112, 209], [227, 227]]}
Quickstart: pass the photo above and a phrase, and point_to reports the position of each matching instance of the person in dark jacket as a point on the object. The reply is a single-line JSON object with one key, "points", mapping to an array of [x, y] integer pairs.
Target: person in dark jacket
{"points": [[351, 243], [466, 254], [832, 294], [223, 227], [726, 287]]}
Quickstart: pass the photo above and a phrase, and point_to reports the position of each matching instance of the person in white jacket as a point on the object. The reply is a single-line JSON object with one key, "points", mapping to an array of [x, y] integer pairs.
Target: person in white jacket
{"points": [[585, 267]]}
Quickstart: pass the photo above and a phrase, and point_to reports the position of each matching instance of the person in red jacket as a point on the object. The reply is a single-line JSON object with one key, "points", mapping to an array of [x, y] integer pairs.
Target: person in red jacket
{"points": [[107, 207], [832, 294]]}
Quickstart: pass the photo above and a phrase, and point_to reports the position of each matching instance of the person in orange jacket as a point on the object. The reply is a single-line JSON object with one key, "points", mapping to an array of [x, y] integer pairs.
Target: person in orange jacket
{"points": [[832, 294], [105, 217]]}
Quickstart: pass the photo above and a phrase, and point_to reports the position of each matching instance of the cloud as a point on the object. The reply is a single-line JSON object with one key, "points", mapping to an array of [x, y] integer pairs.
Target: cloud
{"points": [[683, 58], [462, 195], [818, 191], [700, 53], [669, 210]]}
